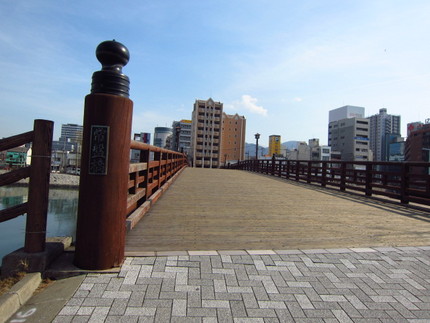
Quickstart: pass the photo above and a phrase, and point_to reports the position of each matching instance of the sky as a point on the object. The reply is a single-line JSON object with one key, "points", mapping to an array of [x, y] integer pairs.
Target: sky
{"points": [[283, 64]]}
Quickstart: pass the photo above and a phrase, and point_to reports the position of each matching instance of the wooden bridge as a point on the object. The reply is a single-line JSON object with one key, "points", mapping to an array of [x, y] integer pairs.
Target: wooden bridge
{"points": [[215, 209]]}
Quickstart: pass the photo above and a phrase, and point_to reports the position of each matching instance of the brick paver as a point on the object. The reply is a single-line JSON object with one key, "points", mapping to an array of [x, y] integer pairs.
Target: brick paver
{"points": [[333, 285]]}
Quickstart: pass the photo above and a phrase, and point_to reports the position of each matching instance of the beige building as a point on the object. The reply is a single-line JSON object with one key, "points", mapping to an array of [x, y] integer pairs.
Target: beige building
{"points": [[206, 133], [233, 138]]}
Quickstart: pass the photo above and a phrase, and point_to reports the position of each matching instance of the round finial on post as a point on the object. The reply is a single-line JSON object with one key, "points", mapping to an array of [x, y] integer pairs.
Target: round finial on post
{"points": [[110, 80], [112, 55]]}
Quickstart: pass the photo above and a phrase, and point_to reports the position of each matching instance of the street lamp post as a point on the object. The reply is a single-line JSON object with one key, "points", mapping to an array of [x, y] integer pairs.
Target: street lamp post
{"points": [[257, 136], [178, 132]]}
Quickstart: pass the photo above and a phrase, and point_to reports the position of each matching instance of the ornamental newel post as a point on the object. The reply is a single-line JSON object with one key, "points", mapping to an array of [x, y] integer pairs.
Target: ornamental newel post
{"points": [[100, 232]]}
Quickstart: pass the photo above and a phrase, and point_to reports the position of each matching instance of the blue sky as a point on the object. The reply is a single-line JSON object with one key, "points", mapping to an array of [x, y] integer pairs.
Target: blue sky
{"points": [[282, 64]]}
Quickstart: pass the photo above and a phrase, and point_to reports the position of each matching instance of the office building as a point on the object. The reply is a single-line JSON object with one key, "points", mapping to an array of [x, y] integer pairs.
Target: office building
{"points": [[70, 139], [417, 147], [345, 112], [161, 136], [274, 145], [71, 133], [67, 150], [311, 151], [232, 138], [144, 137], [181, 138], [381, 126], [318, 152], [351, 138], [395, 147], [206, 134]]}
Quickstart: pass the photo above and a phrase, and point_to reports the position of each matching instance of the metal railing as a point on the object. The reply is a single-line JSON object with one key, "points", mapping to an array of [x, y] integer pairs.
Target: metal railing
{"points": [[38, 188], [405, 181]]}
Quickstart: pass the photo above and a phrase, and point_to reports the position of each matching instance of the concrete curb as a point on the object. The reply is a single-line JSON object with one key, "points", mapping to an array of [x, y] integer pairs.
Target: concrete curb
{"points": [[18, 295]]}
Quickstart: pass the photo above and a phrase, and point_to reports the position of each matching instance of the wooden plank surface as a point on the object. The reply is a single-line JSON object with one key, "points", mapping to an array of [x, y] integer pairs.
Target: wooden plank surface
{"points": [[213, 209]]}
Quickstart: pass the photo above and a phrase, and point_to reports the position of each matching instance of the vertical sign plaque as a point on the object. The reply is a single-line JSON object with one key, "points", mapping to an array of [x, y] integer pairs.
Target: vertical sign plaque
{"points": [[99, 144]]}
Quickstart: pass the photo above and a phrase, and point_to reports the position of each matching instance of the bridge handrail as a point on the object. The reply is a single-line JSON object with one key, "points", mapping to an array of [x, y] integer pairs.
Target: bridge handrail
{"points": [[155, 167], [38, 189], [405, 181]]}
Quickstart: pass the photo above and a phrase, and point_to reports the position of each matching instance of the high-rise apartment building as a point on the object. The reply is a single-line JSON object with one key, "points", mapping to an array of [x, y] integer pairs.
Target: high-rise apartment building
{"points": [[206, 133], [181, 139], [351, 138], [381, 126], [232, 138], [274, 145]]}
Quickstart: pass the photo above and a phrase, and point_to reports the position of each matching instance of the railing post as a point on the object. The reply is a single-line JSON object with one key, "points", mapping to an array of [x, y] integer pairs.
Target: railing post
{"points": [[100, 233], [273, 164], [309, 177], [404, 184], [38, 189], [369, 177], [297, 170], [342, 176], [144, 158], [324, 174]]}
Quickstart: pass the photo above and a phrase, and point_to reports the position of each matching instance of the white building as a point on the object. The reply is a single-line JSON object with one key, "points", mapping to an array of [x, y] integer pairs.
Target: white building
{"points": [[345, 112]]}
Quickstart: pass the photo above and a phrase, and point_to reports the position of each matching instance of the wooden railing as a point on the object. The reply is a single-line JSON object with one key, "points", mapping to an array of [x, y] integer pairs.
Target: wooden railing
{"points": [[38, 190], [154, 169], [405, 181]]}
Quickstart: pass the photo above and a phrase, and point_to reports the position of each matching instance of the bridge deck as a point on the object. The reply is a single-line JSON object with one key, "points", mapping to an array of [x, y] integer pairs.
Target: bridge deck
{"points": [[211, 209]]}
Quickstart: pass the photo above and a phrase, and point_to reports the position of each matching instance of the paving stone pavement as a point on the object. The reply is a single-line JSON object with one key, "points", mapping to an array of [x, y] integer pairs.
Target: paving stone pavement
{"points": [[333, 285]]}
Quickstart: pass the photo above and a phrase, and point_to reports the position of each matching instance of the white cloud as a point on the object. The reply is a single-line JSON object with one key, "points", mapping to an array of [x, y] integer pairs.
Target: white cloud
{"points": [[249, 104], [297, 99]]}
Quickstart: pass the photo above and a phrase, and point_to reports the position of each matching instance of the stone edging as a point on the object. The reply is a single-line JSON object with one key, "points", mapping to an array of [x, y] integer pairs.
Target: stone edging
{"points": [[18, 295], [244, 252]]}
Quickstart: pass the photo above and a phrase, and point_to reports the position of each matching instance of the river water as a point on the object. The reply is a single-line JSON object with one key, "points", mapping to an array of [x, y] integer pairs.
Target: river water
{"points": [[62, 214]]}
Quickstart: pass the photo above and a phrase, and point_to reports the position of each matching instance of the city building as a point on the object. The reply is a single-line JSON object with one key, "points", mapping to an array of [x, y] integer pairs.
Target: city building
{"points": [[395, 147], [232, 138], [181, 137], [345, 112], [16, 157], [144, 137], [351, 138], [381, 127], [274, 145], [71, 133], [311, 151], [161, 135], [67, 150], [417, 147], [318, 152], [206, 133]]}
